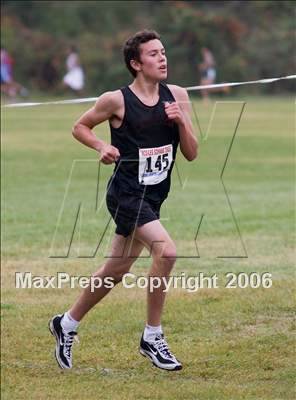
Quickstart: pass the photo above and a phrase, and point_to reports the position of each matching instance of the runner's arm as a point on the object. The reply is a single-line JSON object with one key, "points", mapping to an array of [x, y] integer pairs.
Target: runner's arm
{"points": [[180, 112], [104, 108]]}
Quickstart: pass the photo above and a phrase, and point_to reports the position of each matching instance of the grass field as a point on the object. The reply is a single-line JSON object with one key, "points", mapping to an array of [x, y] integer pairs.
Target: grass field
{"points": [[234, 343]]}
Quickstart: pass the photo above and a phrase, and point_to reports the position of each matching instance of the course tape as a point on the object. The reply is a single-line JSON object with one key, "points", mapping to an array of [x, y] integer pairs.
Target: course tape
{"points": [[268, 80], [190, 88]]}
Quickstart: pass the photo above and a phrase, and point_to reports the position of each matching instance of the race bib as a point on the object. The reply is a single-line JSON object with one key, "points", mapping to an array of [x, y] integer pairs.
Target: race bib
{"points": [[154, 164]]}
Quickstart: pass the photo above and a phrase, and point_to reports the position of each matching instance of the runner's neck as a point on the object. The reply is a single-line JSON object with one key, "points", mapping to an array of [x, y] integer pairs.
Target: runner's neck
{"points": [[148, 92]]}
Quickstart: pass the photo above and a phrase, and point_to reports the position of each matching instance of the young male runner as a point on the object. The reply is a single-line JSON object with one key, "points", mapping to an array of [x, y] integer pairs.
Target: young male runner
{"points": [[148, 119]]}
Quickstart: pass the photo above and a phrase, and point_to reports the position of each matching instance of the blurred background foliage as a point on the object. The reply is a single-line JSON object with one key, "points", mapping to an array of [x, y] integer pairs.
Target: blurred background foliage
{"points": [[250, 39]]}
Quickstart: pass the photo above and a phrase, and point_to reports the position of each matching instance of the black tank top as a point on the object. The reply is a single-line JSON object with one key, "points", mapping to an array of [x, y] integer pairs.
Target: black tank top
{"points": [[147, 142]]}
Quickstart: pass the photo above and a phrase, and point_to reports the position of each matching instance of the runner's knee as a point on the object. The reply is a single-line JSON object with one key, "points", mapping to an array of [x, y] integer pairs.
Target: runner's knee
{"points": [[117, 270], [167, 257]]}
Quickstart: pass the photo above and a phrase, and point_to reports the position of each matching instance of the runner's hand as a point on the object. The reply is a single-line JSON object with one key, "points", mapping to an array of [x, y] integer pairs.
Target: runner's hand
{"points": [[174, 112], [109, 154]]}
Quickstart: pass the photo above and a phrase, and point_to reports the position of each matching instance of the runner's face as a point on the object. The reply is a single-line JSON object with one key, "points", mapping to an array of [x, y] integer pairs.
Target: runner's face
{"points": [[153, 60]]}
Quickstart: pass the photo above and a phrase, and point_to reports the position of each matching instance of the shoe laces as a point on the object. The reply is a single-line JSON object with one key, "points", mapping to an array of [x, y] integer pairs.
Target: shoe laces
{"points": [[161, 345], [69, 337]]}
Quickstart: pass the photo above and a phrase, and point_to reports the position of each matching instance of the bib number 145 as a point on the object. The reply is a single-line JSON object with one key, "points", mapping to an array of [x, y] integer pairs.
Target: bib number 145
{"points": [[161, 163], [154, 164]]}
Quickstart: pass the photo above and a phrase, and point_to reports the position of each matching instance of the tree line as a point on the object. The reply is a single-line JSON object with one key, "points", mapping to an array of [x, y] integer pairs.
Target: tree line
{"points": [[249, 39]]}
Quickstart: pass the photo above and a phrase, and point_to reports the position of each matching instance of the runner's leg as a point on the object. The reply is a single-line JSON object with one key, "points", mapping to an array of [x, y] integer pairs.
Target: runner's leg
{"points": [[124, 251], [163, 250]]}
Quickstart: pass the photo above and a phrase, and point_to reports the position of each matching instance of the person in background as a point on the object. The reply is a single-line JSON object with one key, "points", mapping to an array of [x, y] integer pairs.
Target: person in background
{"points": [[207, 70], [74, 78], [8, 85]]}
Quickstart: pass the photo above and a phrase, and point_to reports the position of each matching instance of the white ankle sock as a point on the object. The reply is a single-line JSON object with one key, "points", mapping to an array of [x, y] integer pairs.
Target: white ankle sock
{"points": [[68, 323], [150, 332]]}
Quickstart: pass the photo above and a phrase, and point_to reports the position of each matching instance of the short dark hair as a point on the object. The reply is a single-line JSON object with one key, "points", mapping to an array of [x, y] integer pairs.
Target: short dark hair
{"points": [[131, 50]]}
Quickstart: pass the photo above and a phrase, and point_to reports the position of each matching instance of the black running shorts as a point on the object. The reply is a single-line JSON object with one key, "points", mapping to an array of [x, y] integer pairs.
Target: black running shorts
{"points": [[129, 210]]}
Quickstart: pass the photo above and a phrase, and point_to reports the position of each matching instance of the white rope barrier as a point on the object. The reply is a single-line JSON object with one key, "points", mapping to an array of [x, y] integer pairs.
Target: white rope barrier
{"points": [[190, 88], [268, 80]]}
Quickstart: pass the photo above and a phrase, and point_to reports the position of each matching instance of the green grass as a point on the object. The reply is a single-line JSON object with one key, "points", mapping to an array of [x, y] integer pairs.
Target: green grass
{"points": [[234, 343]]}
